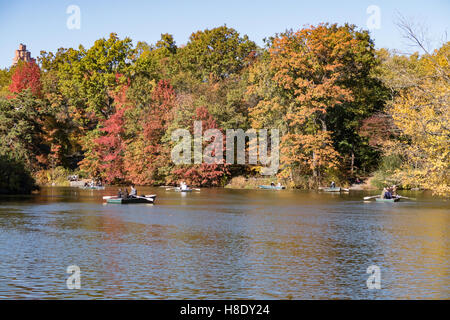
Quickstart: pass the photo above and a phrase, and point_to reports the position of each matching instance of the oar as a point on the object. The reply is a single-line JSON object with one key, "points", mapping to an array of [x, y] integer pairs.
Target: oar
{"points": [[371, 197], [146, 196], [402, 197], [196, 189], [139, 197]]}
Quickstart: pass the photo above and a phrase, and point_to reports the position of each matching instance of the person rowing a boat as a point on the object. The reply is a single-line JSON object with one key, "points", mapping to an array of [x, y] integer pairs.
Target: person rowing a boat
{"points": [[333, 184], [386, 194], [120, 194], [183, 186], [133, 192]]}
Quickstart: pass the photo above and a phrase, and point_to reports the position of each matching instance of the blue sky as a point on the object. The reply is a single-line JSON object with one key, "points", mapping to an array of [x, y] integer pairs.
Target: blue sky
{"points": [[41, 25]]}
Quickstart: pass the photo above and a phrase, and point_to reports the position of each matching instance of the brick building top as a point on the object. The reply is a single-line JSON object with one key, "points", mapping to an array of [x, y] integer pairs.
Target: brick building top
{"points": [[23, 54]]}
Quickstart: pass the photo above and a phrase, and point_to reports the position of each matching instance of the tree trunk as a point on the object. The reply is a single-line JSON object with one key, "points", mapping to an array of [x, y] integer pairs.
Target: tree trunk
{"points": [[352, 163], [314, 164], [324, 125]]}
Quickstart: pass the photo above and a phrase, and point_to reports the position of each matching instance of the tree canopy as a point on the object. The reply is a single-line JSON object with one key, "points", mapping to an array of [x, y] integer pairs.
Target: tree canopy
{"points": [[341, 106]]}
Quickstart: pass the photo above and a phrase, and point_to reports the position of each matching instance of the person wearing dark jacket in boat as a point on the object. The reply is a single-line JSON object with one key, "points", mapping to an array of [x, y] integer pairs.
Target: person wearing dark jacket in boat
{"points": [[133, 192], [120, 194], [385, 194], [333, 184], [388, 195]]}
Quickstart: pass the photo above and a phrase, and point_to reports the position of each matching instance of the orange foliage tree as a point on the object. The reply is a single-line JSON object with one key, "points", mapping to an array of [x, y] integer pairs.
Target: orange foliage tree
{"points": [[308, 74]]}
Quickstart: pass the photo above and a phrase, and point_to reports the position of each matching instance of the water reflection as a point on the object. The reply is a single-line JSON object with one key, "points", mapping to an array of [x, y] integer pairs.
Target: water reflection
{"points": [[223, 244]]}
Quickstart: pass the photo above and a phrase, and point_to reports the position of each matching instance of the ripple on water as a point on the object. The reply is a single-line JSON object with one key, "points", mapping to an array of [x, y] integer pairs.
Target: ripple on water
{"points": [[221, 244]]}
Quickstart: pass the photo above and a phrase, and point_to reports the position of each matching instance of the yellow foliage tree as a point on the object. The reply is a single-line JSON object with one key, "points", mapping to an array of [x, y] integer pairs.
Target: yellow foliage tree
{"points": [[421, 112]]}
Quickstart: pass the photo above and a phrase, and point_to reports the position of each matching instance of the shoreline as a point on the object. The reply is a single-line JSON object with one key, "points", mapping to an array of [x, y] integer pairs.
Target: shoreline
{"points": [[248, 186]]}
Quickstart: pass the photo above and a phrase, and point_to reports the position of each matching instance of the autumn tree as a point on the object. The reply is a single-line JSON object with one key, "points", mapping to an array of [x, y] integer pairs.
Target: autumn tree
{"points": [[26, 75], [204, 174], [339, 104], [420, 110], [147, 155], [304, 77], [104, 157]]}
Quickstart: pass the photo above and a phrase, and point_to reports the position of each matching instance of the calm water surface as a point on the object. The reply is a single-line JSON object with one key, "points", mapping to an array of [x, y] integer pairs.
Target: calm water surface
{"points": [[223, 244]]}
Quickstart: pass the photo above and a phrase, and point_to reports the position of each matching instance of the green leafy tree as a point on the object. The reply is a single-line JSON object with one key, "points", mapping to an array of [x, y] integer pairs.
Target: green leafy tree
{"points": [[216, 54], [5, 82], [21, 132]]}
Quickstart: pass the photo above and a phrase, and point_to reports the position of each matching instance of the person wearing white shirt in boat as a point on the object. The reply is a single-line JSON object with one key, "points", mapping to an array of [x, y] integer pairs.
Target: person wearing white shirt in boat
{"points": [[133, 191], [183, 186]]}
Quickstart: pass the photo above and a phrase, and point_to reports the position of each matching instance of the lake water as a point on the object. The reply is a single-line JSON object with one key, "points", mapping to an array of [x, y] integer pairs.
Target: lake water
{"points": [[223, 244]]}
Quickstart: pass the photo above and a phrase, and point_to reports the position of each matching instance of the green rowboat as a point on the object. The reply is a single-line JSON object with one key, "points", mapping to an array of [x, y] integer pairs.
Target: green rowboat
{"points": [[336, 189], [178, 189], [272, 187], [93, 188], [388, 200]]}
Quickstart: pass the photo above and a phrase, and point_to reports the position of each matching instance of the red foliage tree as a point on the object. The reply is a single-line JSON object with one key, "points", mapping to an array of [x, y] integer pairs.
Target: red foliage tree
{"points": [[203, 174], [109, 148], [378, 128], [26, 75], [146, 154]]}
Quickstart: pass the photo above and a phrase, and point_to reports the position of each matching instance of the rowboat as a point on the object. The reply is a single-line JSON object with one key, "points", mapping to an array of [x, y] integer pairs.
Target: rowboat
{"points": [[272, 187], [178, 189], [146, 196], [93, 188], [387, 200], [335, 189], [128, 200]]}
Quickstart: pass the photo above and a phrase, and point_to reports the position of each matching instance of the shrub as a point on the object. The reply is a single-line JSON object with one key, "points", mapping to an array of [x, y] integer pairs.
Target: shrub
{"points": [[385, 175], [57, 176], [14, 177]]}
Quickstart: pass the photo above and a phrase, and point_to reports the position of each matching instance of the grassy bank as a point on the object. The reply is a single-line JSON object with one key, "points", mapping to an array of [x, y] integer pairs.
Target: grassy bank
{"points": [[242, 182], [299, 182], [55, 177]]}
